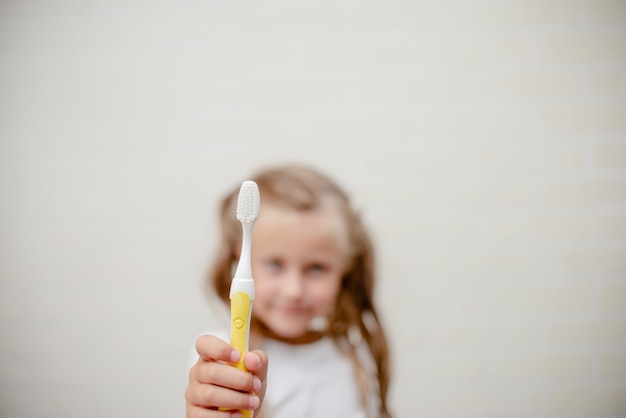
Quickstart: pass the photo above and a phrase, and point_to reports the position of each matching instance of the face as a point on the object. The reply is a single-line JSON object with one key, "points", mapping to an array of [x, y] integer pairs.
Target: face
{"points": [[298, 261]]}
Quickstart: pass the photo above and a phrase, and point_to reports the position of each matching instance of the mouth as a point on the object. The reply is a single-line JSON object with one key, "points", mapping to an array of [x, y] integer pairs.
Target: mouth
{"points": [[297, 311]]}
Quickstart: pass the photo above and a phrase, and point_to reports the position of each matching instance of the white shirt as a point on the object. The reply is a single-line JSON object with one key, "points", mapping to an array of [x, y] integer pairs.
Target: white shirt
{"points": [[310, 381]]}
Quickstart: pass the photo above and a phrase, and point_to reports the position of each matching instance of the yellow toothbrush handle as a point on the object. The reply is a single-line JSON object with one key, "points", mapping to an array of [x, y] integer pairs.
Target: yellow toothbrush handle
{"points": [[240, 324], [240, 310]]}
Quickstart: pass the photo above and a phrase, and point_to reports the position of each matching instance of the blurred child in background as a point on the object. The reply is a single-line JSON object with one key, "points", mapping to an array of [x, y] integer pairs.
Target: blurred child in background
{"points": [[317, 345]]}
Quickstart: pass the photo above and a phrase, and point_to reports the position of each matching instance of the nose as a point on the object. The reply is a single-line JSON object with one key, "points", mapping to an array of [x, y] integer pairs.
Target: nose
{"points": [[293, 285]]}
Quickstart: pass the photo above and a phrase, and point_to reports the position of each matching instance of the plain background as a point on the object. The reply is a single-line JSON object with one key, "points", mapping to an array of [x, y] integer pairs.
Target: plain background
{"points": [[484, 142]]}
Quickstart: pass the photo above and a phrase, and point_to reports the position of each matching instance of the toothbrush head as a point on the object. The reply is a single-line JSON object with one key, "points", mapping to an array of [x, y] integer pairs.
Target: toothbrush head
{"points": [[248, 202]]}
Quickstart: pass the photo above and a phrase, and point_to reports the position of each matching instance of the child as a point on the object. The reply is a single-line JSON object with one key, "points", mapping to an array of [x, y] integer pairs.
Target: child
{"points": [[314, 315]]}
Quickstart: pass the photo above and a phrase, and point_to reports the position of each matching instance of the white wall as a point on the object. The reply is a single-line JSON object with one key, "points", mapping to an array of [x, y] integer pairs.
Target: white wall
{"points": [[484, 140]]}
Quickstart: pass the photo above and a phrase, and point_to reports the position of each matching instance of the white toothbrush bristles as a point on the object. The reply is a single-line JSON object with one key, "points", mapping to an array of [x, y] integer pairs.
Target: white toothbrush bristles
{"points": [[248, 202]]}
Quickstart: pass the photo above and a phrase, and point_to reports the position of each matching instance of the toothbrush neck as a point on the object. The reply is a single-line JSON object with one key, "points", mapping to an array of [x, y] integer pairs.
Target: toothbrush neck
{"points": [[244, 267]]}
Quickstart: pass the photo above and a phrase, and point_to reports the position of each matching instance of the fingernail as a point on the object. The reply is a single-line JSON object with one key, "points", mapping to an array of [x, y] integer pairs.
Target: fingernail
{"points": [[256, 383], [256, 356], [254, 401], [236, 415], [234, 356]]}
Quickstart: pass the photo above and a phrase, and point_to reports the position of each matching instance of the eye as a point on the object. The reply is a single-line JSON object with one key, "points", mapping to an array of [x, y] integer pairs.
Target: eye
{"points": [[317, 268], [273, 264]]}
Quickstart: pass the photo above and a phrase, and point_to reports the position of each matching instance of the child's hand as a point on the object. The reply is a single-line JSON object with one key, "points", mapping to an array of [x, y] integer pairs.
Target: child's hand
{"points": [[213, 383]]}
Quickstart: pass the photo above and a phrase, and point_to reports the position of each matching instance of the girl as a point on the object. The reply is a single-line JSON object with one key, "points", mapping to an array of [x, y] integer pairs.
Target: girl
{"points": [[314, 315]]}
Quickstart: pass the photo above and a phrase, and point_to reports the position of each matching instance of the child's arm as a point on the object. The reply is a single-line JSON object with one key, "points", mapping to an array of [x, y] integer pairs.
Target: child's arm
{"points": [[214, 383]]}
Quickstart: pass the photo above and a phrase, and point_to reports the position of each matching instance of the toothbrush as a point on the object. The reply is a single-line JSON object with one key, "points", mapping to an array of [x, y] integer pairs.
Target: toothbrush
{"points": [[242, 286]]}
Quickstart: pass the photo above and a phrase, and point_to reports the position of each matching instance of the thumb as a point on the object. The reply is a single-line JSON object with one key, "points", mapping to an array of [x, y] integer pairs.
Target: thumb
{"points": [[256, 362]]}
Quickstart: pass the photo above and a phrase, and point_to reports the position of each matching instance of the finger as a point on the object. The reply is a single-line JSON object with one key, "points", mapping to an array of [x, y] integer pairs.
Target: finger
{"points": [[212, 396], [256, 362], [209, 347], [225, 375]]}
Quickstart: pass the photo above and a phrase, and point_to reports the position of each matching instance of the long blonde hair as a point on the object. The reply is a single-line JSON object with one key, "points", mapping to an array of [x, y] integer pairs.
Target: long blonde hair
{"points": [[303, 189]]}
